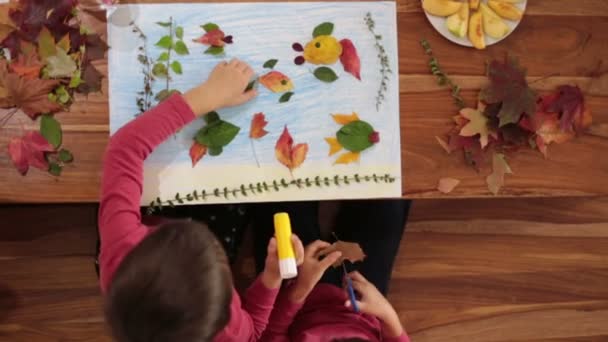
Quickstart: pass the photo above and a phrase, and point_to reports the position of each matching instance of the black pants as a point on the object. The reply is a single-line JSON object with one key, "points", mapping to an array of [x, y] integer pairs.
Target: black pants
{"points": [[377, 225]]}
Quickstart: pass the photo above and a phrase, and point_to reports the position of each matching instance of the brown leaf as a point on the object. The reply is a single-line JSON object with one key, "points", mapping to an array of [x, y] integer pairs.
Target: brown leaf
{"points": [[351, 251], [31, 95], [447, 185]]}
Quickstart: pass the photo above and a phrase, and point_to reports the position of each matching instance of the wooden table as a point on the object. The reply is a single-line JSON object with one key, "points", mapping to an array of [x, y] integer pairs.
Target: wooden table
{"points": [[569, 37]]}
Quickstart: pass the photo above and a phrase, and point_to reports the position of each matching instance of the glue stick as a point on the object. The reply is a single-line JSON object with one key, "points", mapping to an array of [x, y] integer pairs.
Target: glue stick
{"points": [[287, 259]]}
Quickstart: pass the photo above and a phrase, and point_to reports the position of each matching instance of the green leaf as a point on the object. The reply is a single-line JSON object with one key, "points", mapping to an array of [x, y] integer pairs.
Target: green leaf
{"points": [[212, 117], [75, 80], [285, 97], [270, 63], [162, 95], [355, 136], [65, 156], [215, 50], [215, 151], [159, 70], [163, 57], [325, 74], [181, 48], [163, 23], [176, 67], [250, 86], [55, 169], [62, 95], [217, 134], [179, 32], [60, 65], [51, 130], [165, 42], [324, 29], [209, 27]]}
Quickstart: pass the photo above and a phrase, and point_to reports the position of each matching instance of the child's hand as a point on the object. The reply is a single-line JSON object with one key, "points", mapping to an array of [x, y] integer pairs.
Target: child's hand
{"points": [[312, 270], [373, 303], [225, 87], [271, 276]]}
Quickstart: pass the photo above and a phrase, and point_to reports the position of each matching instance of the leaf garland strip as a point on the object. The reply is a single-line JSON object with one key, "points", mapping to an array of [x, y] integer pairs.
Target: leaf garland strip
{"points": [[385, 68], [443, 79], [276, 185]]}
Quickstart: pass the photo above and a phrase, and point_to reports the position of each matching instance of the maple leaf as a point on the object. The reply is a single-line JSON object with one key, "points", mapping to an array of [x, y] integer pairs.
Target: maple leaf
{"points": [[287, 154], [447, 185], [258, 122], [33, 15], [569, 104], [351, 251], [350, 59], [31, 95], [496, 179], [91, 80], [29, 150], [27, 64], [478, 124], [509, 87], [197, 152]]}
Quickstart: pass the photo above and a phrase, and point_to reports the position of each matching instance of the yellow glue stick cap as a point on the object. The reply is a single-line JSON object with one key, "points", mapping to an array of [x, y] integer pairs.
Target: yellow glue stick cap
{"points": [[287, 259]]}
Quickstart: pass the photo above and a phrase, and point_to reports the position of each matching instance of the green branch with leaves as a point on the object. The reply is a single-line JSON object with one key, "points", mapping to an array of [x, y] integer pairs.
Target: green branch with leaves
{"points": [[442, 78], [164, 66], [385, 68]]}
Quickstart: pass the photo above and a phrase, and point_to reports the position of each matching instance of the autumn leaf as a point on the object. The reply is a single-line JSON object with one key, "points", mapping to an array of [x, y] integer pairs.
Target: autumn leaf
{"points": [[27, 64], [350, 58], [60, 65], [287, 154], [46, 44], [508, 86], [351, 251], [6, 23], [447, 185], [29, 150], [197, 152], [258, 122], [334, 145], [276, 81], [344, 119], [569, 104], [348, 157], [214, 37], [478, 124], [496, 180], [31, 95]]}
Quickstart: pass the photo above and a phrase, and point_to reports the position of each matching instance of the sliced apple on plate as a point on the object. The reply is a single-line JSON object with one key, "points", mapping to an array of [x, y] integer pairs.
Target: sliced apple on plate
{"points": [[474, 4], [441, 8], [476, 34], [506, 9], [493, 25], [458, 23]]}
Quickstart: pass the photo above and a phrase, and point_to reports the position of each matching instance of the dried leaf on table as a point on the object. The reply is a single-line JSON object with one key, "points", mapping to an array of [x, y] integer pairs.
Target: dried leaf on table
{"points": [[287, 154], [569, 104], [27, 64], [60, 65], [351, 251], [447, 185], [496, 179], [478, 124], [31, 95], [29, 150]]}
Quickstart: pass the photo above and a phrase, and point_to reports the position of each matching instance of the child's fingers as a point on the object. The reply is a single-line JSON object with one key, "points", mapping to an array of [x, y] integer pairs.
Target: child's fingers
{"points": [[233, 62], [248, 72], [355, 275], [298, 249], [330, 259], [360, 305], [272, 246], [247, 96], [315, 247]]}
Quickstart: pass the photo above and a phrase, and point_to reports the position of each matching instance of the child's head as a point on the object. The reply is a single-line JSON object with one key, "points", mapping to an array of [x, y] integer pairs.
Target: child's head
{"points": [[174, 286]]}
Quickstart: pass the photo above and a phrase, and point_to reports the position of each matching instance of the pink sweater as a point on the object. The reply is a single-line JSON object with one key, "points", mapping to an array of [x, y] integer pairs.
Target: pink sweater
{"points": [[322, 316]]}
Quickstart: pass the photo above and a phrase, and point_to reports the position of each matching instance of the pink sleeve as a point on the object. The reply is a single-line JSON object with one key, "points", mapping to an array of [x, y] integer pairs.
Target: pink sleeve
{"points": [[247, 322], [282, 316], [119, 219]]}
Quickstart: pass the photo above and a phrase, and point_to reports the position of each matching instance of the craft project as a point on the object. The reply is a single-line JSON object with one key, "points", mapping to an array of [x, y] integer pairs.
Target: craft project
{"points": [[273, 148]]}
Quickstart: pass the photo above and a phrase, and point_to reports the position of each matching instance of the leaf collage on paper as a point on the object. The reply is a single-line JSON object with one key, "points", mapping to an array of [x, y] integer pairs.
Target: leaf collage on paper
{"points": [[166, 66], [276, 81], [215, 38], [325, 49], [212, 138], [51, 46], [287, 154], [354, 136]]}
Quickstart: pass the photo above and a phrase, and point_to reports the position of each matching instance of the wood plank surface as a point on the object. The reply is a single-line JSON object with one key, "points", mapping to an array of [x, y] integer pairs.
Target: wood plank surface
{"points": [[468, 270], [564, 39]]}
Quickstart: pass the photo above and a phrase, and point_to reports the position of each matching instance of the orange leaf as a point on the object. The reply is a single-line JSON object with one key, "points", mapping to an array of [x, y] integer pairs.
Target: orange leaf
{"points": [[334, 145], [28, 64], [343, 119], [288, 155], [348, 157], [351, 251], [257, 126], [197, 151], [276, 82]]}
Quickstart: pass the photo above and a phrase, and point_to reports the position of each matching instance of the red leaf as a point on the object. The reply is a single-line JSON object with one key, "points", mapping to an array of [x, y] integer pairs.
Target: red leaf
{"points": [[257, 126], [197, 151], [213, 38], [569, 104], [288, 155], [29, 150], [350, 58]]}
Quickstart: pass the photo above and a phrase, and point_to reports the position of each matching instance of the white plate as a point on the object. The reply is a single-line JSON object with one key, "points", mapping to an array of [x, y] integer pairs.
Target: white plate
{"points": [[439, 25]]}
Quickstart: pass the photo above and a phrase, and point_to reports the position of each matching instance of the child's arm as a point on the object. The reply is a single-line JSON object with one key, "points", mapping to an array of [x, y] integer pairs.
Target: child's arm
{"points": [[119, 216], [373, 303], [290, 301]]}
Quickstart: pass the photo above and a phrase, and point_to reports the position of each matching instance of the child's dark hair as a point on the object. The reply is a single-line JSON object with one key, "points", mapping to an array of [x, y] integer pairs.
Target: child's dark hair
{"points": [[174, 286]]}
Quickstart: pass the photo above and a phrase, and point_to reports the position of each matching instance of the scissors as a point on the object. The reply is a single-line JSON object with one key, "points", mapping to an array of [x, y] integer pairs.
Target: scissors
{"points": [[350, 289]]}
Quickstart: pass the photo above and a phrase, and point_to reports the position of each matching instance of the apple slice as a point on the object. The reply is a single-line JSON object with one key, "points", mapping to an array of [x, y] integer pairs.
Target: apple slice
{"points": [[476, 34], [493, 25], [458, 23], [506, 10], [441, 8]]}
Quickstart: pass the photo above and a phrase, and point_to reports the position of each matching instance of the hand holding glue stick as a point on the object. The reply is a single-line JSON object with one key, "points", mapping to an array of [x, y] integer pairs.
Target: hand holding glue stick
{"points": [[271, 276], [287, 258]]}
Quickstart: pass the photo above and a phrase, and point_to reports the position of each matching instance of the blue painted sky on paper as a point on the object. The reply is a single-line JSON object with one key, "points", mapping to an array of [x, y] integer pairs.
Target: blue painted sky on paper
{"points": [[263, 31]]}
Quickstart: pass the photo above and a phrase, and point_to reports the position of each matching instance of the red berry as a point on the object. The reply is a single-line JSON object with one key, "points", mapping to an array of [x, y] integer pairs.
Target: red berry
{"points": [[297, 47], [374, 137], [299, 60], [227, 39]]}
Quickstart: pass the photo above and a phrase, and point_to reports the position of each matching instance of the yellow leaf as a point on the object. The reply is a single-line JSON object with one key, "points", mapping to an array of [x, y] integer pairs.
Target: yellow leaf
{"points": [[334, 145], [348, 157], [64, 43], [478, 124], [343, 119], [496, 179]]}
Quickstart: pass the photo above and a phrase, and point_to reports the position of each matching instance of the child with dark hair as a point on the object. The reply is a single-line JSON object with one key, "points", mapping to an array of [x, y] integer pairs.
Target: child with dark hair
{"points": [[173, 283], [315, 307]]}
